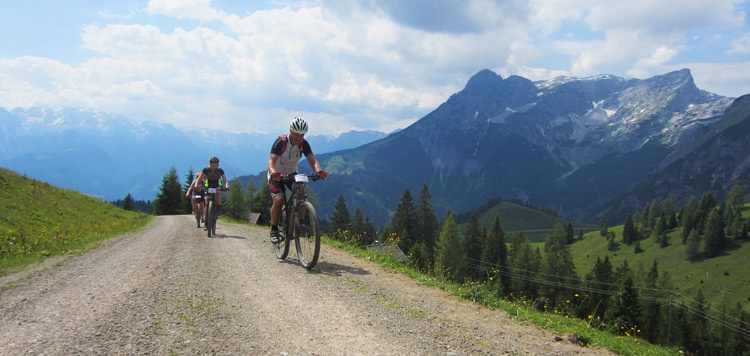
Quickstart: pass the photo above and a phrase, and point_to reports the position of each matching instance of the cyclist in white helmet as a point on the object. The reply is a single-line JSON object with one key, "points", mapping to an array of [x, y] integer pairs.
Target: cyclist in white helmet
{"points": [[286, 152]]}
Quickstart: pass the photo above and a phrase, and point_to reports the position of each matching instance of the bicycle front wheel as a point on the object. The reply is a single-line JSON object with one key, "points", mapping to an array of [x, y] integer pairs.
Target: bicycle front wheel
{"points": [[307, 234], [281, 248], [210, 221]]}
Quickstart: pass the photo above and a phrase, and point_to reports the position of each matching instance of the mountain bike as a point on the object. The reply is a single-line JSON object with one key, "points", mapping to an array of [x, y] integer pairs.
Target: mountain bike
{"points": [[212, 208], [299, 222]]}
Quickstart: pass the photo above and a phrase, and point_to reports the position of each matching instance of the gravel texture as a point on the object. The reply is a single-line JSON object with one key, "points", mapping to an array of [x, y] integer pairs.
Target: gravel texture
{"points": [[170, 289]]}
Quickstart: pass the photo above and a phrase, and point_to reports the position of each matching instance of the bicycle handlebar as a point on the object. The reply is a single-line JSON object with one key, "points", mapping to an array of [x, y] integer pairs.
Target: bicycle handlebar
{"points": [[288, 178], [218, 189]]}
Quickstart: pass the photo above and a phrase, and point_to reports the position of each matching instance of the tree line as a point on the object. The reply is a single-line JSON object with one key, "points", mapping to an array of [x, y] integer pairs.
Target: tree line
{"points": [[617, 299], [170, 199]]}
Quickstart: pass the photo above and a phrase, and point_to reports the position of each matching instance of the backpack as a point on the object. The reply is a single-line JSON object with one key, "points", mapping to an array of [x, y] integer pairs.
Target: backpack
{"points": [[285, 141]]}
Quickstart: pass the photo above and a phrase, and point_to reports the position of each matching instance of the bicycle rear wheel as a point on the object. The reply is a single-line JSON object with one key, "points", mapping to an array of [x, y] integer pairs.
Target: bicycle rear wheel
{"points": [[281, 248], [307, 234], [210, 221]]}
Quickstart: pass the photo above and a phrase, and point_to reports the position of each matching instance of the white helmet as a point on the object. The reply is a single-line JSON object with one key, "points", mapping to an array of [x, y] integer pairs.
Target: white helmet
{"points": [[298, 125]]}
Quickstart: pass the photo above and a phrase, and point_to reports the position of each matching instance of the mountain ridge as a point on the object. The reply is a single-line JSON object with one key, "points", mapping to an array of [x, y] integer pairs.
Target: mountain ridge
{"points": [[574, 146], [588, 148], [110, 156]]}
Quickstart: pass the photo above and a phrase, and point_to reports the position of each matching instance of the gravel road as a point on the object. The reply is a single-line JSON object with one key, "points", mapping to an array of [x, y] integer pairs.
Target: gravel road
{"points": [[170, 289]]}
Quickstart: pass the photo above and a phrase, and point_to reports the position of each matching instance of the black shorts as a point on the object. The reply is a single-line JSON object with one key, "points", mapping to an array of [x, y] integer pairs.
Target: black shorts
{"points": [[276, 187]]}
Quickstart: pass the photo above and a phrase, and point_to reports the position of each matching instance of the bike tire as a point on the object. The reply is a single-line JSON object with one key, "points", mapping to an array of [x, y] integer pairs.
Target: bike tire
{"points": [[307, 234], [281, 248], [210, 222]]}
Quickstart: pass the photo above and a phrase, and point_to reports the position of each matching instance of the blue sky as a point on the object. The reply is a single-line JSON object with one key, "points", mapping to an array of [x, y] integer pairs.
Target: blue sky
{"points": [[250, 66]]}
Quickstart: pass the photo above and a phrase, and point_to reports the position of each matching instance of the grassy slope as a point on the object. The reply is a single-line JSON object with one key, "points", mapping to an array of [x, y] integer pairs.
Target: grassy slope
{"points": [[725, 280], [518, 218], [39, 220]]}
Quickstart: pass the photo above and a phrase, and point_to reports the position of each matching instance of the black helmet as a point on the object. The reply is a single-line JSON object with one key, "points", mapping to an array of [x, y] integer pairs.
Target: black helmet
{"points": [[213, 159]]}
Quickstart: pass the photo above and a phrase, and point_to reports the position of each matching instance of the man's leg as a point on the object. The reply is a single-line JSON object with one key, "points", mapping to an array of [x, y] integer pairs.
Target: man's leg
{"points": [[278, 201]]}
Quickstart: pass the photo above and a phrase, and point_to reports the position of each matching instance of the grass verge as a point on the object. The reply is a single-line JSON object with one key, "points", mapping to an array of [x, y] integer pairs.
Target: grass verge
{"points": [[580, 330]]}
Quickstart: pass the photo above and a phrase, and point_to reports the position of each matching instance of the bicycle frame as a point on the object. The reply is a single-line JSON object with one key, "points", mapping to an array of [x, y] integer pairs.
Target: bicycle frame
{"points": [[299, 222], [211, 209]]}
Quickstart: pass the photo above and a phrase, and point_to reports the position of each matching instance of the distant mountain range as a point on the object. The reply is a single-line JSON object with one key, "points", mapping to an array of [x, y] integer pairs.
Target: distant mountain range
{"points": [[109, 156], [589, 148]]}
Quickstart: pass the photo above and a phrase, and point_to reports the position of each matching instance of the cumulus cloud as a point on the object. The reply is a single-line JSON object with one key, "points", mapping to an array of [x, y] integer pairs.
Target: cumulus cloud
{"points": [[740, 45], [183, 9], [349, 64]]}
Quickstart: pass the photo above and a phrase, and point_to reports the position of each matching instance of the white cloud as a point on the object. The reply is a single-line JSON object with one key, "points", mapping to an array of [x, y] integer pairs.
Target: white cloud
{"points": [[662, 17], [183, 9], [728, 79], [349, 64], [740, 45]]}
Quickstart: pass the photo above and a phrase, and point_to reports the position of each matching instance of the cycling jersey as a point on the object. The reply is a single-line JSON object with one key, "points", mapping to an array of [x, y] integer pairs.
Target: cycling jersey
{"points": [[212, 177], [289, 155]]}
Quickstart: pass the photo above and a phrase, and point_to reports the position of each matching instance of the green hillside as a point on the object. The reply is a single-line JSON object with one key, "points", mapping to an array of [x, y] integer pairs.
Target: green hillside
{"points": [[724, 280], [516, 218], [39, 220]]}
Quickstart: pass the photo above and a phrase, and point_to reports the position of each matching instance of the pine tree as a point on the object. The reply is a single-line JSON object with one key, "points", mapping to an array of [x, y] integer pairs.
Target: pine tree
{"points": [[251, 190], [128, 203], [450, 254], [340, 218], [569, 234], [370, 234], [358, 228], [625, 308], [404, 222], [169, 199], [699, 320], [651, 213], [736, 196], [652, 306], [525, 265], [689, 218], [235, 205], [262, 201], [669, 213], [600, 282], [660, 227], [188, 181], [428, 222], [707, 203], [692, 250], [739, 342], [495, 258], [715, 240], [629, 232], [603, 229], [473, 247], [558, 266], [611, 243]]}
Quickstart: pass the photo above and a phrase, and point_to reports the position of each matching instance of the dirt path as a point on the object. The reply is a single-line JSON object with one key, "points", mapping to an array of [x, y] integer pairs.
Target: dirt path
{"points": [[172, 290]]}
